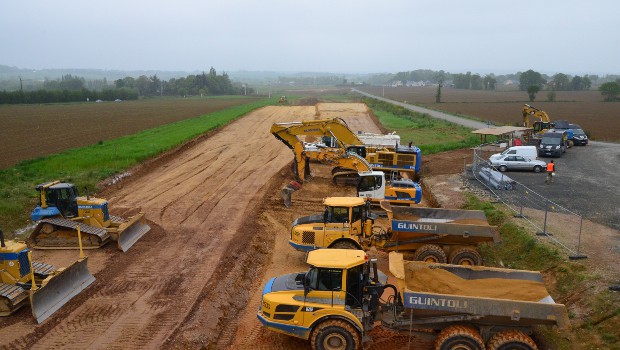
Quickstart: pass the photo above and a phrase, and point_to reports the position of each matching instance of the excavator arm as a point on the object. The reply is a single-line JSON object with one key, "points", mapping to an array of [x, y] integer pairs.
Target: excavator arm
{"points": [[336, 127], [536, 118]]}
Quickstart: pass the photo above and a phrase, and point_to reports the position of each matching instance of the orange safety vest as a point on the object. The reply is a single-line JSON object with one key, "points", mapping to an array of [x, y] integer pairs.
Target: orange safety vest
{"points": [[550, 167]]}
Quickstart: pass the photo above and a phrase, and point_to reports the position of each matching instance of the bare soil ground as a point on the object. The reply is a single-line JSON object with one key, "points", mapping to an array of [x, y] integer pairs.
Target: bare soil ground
{"points": [[219, 232]]}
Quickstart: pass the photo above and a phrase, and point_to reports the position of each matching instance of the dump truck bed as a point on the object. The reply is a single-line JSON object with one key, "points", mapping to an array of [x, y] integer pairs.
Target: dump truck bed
{"points": [[443, 226], [484, 295]]}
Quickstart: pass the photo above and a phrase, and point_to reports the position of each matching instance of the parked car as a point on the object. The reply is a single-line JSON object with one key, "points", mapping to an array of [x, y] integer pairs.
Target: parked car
{"points": [[580, 137], [524, 151], [512, 162]]}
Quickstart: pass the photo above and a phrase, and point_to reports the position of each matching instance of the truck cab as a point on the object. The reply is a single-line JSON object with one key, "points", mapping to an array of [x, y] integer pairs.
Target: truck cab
{"points": [[344, 219], [374, 186]]}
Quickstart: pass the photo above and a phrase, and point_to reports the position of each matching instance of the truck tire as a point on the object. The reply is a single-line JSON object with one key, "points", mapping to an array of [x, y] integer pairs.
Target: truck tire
{"points": [[335, 335], [344, 245], [430, 253], [511, 340], [459, 338], [465, 256]]}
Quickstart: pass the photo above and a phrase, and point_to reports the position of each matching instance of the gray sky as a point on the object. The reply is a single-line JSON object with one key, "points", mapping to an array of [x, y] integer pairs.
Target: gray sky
{"points": [[344, 36]]}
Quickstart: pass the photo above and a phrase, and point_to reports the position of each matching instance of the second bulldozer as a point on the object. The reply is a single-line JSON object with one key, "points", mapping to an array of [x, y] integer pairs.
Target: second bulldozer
{"points": [[61, 210], [43, 286]]}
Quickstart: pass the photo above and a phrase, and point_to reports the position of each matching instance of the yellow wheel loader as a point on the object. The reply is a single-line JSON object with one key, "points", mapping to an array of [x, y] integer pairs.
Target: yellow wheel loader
{"points": [[46, 288], [61, 210]]}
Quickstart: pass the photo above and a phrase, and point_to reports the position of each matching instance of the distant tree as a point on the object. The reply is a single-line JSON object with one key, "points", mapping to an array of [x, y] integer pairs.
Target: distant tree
{"points": [[142, 84], [576, 83], [476, 82], [610, 90], [489, 82], [532, 91], [586, 83], [561, 82], [438, 95], [531, 78], [462, 81], [551, 96]]}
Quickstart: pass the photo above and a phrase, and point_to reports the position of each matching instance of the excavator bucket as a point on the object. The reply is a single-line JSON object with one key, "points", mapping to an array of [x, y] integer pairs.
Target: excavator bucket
{"points": [[58, 289], [287, 192], [131, 231]]}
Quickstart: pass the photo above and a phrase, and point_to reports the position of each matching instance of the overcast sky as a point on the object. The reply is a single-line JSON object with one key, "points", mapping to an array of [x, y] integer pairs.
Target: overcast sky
{"points": [[341, 36]]}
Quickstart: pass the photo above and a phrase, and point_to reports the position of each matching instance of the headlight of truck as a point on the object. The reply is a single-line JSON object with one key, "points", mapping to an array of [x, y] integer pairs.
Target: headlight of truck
{"points": [[557, 147]]}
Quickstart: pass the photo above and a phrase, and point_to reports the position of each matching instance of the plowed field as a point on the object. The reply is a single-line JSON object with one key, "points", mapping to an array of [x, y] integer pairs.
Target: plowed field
{"points": [[30, 131], [585, 108]]}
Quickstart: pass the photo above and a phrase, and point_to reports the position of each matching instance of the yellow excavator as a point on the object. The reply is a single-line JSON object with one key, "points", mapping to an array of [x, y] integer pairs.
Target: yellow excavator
{"points": [[45, 287], [61, 210], [347, 159], [537, 119], [340, 140]]}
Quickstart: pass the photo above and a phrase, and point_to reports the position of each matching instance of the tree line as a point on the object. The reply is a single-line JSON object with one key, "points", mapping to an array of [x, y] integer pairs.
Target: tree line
{"points": [[74, 89], [56, 96], [191, 85]]}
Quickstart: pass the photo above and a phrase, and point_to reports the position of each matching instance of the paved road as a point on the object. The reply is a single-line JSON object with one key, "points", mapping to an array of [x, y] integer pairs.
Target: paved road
{"points": [[588, 181], [435, 114]]}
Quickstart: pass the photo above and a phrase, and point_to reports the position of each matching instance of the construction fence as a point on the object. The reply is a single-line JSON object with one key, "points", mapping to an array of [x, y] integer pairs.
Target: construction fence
{"points": [[550, 220]]}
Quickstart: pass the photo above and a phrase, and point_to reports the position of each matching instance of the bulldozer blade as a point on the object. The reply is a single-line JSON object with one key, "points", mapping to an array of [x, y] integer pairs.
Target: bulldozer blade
{"points": [[59, 289], [135, 229]]}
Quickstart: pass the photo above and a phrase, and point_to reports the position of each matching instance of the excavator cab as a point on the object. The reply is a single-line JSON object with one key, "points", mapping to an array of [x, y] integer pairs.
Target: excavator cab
{"points": [[540, 126]]}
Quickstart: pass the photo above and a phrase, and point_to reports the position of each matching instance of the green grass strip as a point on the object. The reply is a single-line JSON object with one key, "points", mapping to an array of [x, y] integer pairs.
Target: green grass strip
{"points": [[87, 166], [431, 135]]}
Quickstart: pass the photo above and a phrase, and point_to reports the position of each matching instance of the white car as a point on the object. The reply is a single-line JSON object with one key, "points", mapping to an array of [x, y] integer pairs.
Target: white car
{"points": [[512, 162]]}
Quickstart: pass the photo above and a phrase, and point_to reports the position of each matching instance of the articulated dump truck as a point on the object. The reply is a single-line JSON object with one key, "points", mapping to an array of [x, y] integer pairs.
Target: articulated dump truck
{"points": [[343, 296], [44, 286], [424, 234]]}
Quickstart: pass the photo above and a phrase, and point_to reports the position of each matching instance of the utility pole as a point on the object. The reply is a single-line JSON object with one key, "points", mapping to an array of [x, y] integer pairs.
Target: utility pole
{"points": [[21, 85]]}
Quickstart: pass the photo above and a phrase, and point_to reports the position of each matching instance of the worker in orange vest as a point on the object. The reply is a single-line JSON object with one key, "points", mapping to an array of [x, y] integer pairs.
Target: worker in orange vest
{"points": [[550, 172]]}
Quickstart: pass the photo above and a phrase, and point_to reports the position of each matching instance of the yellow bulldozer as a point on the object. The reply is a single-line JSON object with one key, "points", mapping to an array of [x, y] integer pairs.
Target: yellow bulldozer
{"points": [[61, 210], [45, 287]]}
